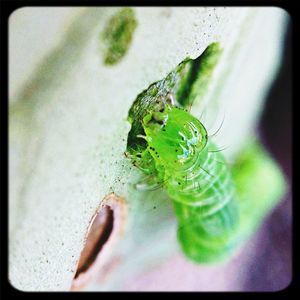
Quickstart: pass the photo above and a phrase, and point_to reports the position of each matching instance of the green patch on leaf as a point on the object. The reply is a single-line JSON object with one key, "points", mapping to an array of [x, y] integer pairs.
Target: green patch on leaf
{"points": [[194, 85], [118, 34]]}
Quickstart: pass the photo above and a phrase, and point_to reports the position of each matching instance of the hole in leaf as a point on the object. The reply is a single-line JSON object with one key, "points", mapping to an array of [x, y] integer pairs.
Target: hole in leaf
{"points": [[101, 229]]}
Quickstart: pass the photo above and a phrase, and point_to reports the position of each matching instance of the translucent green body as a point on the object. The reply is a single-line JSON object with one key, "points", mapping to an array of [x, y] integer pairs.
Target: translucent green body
{"points": [[206, 208], [196, 178]]}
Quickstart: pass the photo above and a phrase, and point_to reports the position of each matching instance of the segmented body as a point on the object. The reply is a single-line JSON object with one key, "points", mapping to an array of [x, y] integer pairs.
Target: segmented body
{"points": [[206, 207], [196, 178]]}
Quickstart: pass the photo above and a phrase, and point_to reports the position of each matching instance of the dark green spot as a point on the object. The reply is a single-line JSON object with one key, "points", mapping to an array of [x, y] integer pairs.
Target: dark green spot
{"points": [[117, 35], [198, 75]]}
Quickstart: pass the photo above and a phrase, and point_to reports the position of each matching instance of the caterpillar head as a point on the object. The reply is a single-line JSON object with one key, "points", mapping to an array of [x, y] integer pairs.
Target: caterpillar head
{"points": [[174, 136]]}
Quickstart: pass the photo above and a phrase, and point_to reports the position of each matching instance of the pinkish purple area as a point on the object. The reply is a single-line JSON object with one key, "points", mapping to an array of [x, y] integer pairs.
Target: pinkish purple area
{"points": [[263, 264], [177, 274]]}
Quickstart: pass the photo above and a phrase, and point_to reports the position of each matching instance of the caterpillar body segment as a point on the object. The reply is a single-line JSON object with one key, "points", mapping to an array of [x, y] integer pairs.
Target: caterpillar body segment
{"points": [[207, 211]]}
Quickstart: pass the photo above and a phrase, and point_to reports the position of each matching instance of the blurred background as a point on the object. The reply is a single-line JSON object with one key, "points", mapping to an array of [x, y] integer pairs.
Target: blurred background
{"points": [[272, 266]]}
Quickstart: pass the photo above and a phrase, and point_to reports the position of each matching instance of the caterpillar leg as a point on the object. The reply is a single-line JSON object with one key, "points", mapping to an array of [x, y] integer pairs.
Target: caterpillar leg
{"points": [[149, 183]]}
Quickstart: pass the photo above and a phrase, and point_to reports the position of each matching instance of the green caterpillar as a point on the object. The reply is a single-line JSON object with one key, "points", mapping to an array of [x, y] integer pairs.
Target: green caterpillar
{"points": [[216, 211], [179, 155]]}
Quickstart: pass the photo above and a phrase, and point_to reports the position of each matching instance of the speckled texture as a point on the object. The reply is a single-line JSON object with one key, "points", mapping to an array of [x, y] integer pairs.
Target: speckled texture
{"points": [[68, 130]]}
